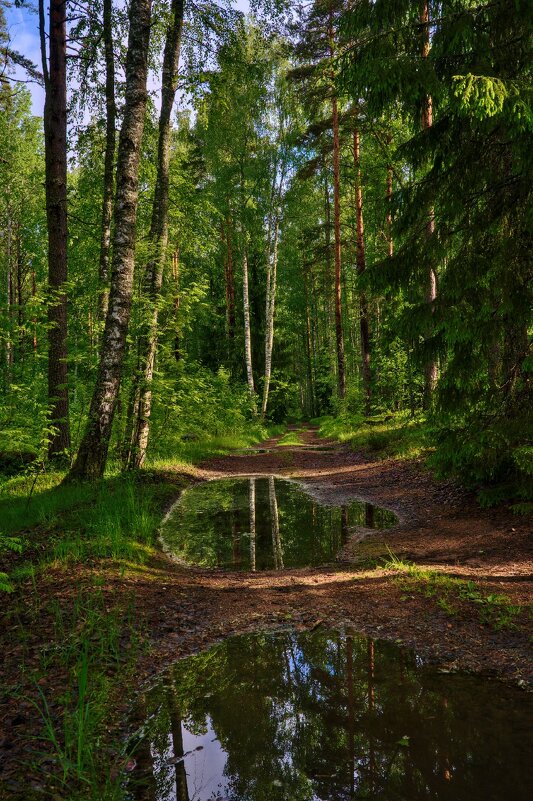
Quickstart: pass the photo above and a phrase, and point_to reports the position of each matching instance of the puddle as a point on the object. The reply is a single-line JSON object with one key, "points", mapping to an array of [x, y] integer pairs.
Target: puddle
{"points": [[329, 716], [261, 524]]}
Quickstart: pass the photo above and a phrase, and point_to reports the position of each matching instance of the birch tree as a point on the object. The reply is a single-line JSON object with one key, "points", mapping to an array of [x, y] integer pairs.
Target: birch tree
{"points": [[158, 241], [91, 459]]}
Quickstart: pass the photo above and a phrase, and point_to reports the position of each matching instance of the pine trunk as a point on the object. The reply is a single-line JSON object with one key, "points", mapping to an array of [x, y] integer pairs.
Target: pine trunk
{"points": [[55, 139], [339, 335], [430, 370], [390, 242], [158, 240], [92, 455], [361, 268], [109, 158]]}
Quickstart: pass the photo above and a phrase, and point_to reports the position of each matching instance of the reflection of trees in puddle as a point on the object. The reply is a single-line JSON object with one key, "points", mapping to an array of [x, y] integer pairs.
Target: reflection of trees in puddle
{"points": [[274, 522], [261, 524], [330, 715], [251, 497]]}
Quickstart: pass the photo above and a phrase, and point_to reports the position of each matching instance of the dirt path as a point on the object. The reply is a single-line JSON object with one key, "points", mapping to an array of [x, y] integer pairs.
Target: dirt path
{"points": [[441, 527], [182, 610]]}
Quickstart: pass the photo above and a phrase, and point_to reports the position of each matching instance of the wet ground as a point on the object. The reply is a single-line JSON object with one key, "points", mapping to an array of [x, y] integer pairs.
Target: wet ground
{"points": [[328, 715], [184, 610]]}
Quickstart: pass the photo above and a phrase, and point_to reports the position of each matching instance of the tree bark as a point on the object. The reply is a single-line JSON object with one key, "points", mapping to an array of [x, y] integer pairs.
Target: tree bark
{"points": [[158, 240], [390, 242], [247, 328], [92, 455], [272, 268], [55, 142], [176, 279], [361, 268], [109, 158], [229, 282], [430, 370], [339, 335]]}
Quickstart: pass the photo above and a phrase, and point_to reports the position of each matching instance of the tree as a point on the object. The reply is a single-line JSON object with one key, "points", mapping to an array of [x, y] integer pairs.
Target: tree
{"points": [[55, 139], [91, 458], [158, 239]]}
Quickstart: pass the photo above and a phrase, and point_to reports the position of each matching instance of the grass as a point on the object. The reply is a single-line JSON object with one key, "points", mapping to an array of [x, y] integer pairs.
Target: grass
{"points": [[291, 438], [395, 435], [87, 645], [89, 650], [493, 609], [115, 518]]}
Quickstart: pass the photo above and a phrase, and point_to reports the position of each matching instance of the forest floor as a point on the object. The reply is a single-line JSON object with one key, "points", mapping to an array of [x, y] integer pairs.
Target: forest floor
{"points": [[450, 580]]}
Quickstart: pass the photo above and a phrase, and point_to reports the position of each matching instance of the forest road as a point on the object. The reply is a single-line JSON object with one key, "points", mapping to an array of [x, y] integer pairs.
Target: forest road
{"points": [[441, 528]]}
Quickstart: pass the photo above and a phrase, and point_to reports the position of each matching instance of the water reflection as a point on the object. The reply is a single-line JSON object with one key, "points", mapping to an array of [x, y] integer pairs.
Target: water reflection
{"points": [[329, 716], [262, 524]]}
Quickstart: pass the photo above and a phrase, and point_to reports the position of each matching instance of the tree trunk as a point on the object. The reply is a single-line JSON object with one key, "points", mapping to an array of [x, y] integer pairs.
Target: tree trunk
{"points": [[34, 319], [272, 268], [9, 295], [361, 267], [109, 158], [339, 336], [247, 329], [176, 279], [158, 239], [229, 282], [390, 243], [430, 370], [92, 455], [55, 142]]}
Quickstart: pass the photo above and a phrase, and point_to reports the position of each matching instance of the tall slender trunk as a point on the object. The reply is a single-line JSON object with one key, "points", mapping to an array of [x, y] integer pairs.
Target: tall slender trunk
{"points": [[309, 347], [34, 319], [229, 281], [92, 454], [55, 145], [247, 329], [9, 296], [339, 335], [20, 300], [430, 370], [390, 242], [109, 158], [176, 279], [361, 268], [272, 268], [158, 240]]}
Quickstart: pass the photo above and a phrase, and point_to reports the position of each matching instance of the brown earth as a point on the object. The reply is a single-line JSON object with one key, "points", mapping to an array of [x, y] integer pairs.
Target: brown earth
{"points": [[182, 610]]}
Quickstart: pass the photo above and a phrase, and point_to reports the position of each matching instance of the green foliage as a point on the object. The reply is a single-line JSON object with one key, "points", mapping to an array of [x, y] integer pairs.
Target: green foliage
{"points": [[388, 435]]}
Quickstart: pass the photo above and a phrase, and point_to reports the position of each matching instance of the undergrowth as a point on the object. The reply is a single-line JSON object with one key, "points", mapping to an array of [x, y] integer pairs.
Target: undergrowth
{"points": [[493, 609], [391, 435], [291, 438]]}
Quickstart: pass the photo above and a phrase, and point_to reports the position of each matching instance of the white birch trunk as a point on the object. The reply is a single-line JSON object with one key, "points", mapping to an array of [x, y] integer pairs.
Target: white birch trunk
{"points": [[272, 267], [247, 329]]}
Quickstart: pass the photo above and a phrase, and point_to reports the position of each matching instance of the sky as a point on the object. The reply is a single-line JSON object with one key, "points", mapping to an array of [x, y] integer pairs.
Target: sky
{"points": [[24, 35]]}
